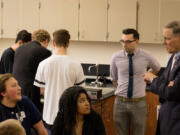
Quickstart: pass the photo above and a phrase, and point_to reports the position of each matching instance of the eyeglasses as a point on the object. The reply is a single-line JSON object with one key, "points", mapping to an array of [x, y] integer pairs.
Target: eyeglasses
{"points": [[127, 41]]}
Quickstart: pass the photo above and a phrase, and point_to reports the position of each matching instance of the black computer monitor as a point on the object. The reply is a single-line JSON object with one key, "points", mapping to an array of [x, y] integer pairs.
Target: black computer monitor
{"points": [[104, 70], [90, 69], [87, 71]]}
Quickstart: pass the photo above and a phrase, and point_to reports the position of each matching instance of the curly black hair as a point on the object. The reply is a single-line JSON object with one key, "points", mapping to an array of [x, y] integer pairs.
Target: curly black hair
{"points": [[23, 35], [66, 117]]}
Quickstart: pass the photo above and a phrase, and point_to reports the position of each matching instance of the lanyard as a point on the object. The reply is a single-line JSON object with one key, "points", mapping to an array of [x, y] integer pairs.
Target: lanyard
{"points": [[5, 116]]}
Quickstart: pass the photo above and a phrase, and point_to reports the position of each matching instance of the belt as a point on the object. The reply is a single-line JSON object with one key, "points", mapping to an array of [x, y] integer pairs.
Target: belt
{"points": [[47, 125], [130, 99]]}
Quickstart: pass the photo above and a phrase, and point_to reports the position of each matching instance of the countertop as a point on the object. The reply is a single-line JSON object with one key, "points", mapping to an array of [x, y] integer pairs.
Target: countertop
{"points": [[106, 91], [106, 87]]}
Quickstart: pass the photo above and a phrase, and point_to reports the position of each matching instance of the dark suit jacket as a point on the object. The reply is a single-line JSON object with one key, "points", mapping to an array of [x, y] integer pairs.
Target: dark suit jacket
{"points": [[169, 114]]}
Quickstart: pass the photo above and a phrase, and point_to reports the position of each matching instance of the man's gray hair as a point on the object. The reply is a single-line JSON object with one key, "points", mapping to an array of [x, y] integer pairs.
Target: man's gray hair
{"points": [[175, 26]]}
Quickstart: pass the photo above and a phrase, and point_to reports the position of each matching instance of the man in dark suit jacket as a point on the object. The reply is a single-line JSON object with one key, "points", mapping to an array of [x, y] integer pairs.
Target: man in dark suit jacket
{"points": [[167, 86], [26, 61]]}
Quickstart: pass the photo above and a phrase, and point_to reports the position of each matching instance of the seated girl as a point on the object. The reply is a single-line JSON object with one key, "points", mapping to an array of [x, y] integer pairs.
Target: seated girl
{"points": [[75, 116]]}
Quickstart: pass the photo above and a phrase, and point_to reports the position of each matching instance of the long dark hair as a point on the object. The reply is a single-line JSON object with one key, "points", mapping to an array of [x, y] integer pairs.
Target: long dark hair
{"points": [[67, 110]]}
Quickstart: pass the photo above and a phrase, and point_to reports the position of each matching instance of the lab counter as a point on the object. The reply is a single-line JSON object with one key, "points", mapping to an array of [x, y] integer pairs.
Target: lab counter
{"points": [[106, 91]]}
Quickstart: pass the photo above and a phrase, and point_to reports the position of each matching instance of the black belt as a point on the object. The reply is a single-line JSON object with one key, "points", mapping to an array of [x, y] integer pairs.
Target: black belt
{"points": [[48, 125]]}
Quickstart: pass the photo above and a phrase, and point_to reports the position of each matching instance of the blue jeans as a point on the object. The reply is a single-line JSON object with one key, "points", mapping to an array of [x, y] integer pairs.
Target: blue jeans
{"points": [[126, 112], [49, 131], [48, 128]]}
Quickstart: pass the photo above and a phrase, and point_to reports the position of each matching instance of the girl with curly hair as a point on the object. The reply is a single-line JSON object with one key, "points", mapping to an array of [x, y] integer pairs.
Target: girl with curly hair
{"points": [[75, 116]]}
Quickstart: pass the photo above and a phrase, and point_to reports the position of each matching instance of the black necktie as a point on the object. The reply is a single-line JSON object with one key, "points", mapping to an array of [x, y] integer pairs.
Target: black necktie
{"points": [[130, 86]]}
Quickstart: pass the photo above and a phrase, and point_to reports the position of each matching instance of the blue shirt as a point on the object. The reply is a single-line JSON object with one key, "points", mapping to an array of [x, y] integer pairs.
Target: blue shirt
{"points": [[25, 111]]}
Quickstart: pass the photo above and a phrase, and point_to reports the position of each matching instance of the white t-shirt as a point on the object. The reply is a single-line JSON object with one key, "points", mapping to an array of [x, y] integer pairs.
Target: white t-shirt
{"points": [[55, 74]]}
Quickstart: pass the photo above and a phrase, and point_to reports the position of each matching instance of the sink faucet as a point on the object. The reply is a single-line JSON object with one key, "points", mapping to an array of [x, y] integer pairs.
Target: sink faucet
{"points": [[97, 83]]}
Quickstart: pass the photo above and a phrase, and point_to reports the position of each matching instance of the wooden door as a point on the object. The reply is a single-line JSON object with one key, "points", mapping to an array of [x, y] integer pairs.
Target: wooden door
{"points": [[48, 18], [152, 107], [29, 15], [121, 15], [169, 11], [93, 20], [148, 21], [10, 18], [67, 17], [107, 115], [105, 108]]}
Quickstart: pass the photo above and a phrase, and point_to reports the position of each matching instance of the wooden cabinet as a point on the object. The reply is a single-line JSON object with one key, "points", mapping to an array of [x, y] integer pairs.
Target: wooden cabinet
{"points": [[152, 107], [89, 20], [29, 15], [10, 18], [48, 18], [1, 19], [121, 15], [93, 20], [67, 17], [169, 11], [17, 15], [107, 115], [105, 109], [104, 20], [86, 20], [153, 15], [60, 14], [148, 21]]}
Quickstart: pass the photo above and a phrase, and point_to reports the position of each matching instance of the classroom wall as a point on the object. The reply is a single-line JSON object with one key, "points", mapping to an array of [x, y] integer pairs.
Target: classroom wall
{"points": [[99, 52]]}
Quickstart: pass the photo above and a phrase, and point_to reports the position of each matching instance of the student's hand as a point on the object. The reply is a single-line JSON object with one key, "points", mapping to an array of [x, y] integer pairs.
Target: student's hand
{"points": [[171, 84], [115, 84], [148, 77]]}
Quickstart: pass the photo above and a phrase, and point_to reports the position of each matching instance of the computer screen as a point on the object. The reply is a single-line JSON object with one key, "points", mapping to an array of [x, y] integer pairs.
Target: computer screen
{"points": [[104, 70], [90, 69]]}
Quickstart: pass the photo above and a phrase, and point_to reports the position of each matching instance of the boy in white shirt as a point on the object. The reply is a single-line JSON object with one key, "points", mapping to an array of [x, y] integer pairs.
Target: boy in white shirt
{"points": [[55, 74]]}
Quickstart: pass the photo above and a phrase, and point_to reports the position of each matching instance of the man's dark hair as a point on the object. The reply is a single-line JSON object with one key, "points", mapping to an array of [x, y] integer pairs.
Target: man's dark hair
{"points": [[61, 37], [131, 31], [23, 35]]}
